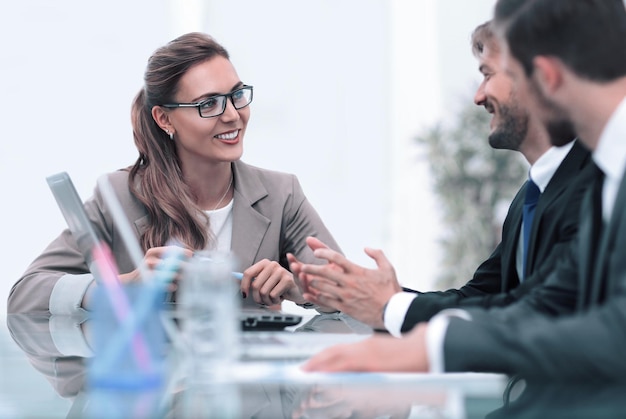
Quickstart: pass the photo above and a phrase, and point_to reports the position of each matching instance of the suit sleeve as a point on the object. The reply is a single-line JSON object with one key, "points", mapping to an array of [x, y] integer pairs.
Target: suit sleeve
{"points": [[56, 281], [586, 346], [526, 339], [557, 296], [486, 281]]}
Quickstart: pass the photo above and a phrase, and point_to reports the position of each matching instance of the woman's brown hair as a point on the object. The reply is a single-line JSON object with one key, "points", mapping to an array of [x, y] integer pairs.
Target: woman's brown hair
{"points": [[156, 178]]}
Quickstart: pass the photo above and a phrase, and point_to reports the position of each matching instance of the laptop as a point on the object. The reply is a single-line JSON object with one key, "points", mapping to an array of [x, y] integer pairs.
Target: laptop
{"points": [[265, 320], [71, 207]]}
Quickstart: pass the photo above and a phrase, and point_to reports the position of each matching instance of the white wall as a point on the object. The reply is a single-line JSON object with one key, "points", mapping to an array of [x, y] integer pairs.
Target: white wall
{"points": [[69, 72], [331, 81], [433, 73]]}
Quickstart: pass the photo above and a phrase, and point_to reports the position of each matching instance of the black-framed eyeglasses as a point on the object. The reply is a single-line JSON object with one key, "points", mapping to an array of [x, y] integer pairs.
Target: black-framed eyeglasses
{"points": [[216, 105]]}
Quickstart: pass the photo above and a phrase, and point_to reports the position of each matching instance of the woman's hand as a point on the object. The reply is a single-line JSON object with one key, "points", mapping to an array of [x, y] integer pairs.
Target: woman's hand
{"points": [[152, 259], [267, 282]]}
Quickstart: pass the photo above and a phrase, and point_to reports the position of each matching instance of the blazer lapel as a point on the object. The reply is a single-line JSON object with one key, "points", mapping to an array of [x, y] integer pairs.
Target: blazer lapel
{"points": [[570, 167], [510, 278], [606, 246], [249, 226], [586, 248]]}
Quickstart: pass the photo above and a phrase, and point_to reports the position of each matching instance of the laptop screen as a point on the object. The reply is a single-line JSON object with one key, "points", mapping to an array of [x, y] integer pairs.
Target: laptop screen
{"points": [[71, 207]]}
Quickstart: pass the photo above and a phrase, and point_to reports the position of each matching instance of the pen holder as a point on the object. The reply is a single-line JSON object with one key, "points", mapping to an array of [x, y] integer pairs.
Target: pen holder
{"points": [[129, 339]]}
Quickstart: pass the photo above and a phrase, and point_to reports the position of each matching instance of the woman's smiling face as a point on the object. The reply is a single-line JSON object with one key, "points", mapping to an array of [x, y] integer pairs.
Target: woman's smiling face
{"points": [[216, 139]]}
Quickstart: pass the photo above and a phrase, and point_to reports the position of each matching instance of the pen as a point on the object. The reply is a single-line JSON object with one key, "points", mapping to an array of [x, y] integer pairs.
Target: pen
{"points": [[236, 275]]}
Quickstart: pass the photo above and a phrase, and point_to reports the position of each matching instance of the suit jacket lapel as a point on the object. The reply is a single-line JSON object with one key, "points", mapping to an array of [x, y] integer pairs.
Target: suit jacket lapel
{"points": [[605, 247], [586, 248], [570, 166], [510, 278], [249, 226]]}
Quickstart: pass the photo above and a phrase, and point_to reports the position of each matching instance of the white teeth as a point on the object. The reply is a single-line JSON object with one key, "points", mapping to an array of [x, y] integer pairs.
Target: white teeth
{"points": [[228, 136]]}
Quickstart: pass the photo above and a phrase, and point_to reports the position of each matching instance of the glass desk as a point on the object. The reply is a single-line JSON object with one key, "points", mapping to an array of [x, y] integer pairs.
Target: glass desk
{"points": [[40, 380]]}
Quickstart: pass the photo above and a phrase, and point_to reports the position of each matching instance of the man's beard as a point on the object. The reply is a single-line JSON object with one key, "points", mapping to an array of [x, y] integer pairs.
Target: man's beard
{"points": [[512, 129]]}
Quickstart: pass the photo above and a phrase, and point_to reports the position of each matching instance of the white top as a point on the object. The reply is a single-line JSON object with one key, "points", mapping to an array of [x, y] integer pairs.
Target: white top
{"points": [[221, 225]]}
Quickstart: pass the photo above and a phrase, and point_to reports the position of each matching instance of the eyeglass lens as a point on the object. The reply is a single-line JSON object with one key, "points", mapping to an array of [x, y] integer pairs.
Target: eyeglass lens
{"points": [[216, 105]]}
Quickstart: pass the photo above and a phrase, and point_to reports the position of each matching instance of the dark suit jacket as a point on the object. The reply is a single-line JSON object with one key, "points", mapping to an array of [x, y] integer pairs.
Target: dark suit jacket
{"points": [[495, 282], [588, 344]]}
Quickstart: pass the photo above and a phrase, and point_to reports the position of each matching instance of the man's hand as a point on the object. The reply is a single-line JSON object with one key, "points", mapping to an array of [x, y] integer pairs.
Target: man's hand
{"points": [[380, 353], [300, 277], [352, 289]]}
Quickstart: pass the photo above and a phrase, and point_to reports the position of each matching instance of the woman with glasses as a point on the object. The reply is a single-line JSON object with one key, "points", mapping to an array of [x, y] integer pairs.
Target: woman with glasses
{"points": [[188, 185]]}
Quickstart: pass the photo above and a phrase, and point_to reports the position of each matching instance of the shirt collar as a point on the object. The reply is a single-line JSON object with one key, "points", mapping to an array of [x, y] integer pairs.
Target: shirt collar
{"points": [[610, 154], [544, 168]]}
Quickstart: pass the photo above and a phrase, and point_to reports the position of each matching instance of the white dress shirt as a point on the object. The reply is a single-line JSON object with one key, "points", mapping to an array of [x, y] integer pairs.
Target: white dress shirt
{"points": [[610, 156]]}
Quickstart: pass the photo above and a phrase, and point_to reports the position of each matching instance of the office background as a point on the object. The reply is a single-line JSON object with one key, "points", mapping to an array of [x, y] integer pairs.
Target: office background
{"points": [[342, 88]]}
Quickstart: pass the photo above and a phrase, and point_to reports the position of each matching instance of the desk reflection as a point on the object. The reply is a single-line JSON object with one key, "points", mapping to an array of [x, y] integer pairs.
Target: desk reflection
{"points": [[597, 400], [58, 348]]}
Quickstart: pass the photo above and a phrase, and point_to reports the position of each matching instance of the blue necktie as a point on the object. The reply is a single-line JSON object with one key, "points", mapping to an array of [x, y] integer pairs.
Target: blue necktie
{"points": [[530, 203]]}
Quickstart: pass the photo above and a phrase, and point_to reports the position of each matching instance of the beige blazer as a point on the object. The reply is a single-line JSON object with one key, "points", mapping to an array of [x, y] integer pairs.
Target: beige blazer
{"points": [[271, 217]]}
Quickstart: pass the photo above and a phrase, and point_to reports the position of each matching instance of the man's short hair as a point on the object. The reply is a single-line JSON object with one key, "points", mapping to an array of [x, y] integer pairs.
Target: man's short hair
{"points": [[483, 36], [588, 36]]}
